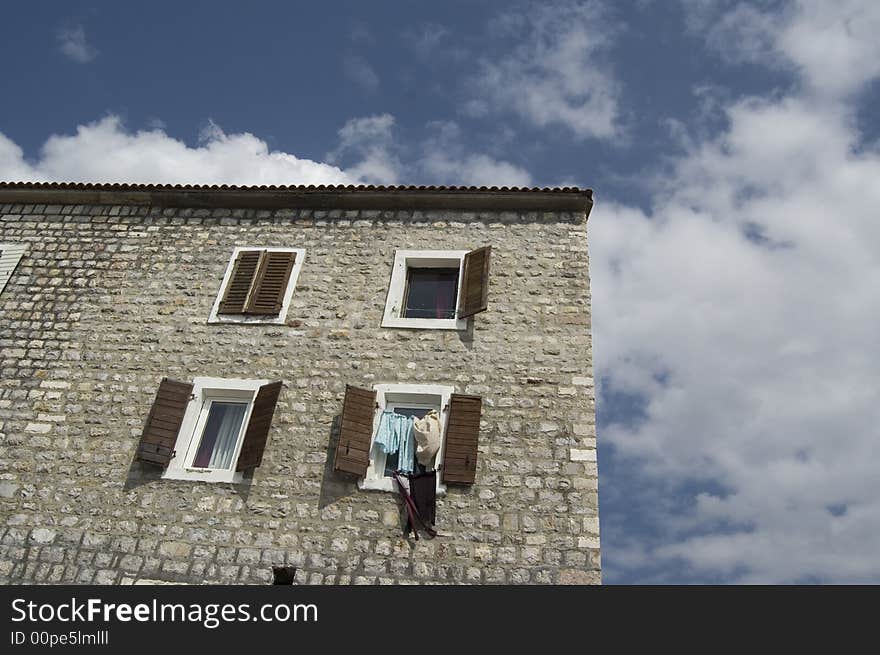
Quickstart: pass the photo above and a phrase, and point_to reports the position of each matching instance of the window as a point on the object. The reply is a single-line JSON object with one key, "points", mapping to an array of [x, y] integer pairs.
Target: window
{"points": [[258, 285], [437, 289], [10, 255], [430, 293], [408, 400], [358, 452], [210, 430]]}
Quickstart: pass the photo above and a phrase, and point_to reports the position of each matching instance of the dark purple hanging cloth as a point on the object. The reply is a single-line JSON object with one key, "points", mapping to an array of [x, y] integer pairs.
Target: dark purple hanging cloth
{"points": [[420, 501]]}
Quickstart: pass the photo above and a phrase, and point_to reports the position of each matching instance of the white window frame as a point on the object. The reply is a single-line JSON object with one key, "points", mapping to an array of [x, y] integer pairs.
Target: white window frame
{"points": [[205, 391], [403, 260], [10, 255], [389, 395], [258, 320]]}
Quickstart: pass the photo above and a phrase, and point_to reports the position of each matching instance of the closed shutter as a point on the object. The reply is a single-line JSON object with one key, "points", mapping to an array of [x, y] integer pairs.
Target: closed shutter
{"points": [[258, 427], [270, 283], [462, 436], [239, 285], [356, 433], [163, 424], [474, 292]]}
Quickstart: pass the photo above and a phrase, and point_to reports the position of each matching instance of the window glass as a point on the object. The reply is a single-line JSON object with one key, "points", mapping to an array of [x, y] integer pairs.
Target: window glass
{"points": [[415, 412], [220, 435], [431, 293]]}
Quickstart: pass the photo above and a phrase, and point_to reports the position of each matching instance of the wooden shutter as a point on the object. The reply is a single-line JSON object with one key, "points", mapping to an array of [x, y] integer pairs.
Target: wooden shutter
{"points": [[258, 427], [356, 432], [270, 283], [462, 435], [10, 255], [239, 286], [163, 424], [473, 296]]}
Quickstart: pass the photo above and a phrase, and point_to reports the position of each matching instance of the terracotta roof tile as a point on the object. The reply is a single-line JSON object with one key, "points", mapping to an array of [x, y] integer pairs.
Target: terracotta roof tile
{"points": [[320, 196], [116, 186]]}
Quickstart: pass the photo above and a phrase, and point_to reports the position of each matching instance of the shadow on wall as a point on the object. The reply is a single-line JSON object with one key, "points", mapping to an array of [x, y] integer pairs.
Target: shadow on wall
{"points": [[334, 486], [140, 474], [467, 336]]}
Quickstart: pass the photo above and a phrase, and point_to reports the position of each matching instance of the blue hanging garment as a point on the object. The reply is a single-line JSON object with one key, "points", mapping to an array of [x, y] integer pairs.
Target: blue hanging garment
{"points": [[406, 454], [395, 435]]}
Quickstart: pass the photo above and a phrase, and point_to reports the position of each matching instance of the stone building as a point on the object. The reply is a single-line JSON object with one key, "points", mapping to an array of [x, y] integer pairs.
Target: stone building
{"points": [[192, 379]]}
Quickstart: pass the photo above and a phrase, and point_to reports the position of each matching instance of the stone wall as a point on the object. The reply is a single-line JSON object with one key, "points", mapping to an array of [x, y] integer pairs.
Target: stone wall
{"points": [[108, 300]]}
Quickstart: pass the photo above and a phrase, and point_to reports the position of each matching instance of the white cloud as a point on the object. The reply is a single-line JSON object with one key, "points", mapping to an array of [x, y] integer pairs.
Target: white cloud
{"points": [[832, 46], [445, 160], [755, 355], [13, 165], [427, 38], [360, 33], [435, 45], [474, 169], [551, 70], [104, 151], [73, 44], [361, 72], [371, 141], [440, 157], [743, 33]]}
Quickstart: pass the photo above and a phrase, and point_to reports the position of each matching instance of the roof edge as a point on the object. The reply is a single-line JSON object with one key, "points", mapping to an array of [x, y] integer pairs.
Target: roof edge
{"points": [[301, 197]]}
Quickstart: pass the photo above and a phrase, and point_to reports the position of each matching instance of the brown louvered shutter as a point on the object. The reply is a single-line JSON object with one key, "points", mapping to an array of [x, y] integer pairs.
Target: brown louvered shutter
{"points": [[473, 295], [163, 424], [270, 283], [356, 431], [258, 427], [239, 286], [462, 436]]}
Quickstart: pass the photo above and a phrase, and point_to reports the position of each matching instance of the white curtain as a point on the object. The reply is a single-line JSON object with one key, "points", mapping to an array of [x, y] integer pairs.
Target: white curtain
{"points": [[224, 421]]}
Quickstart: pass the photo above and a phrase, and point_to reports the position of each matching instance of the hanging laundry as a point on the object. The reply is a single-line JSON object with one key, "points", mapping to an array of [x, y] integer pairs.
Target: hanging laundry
{"points": [[419, 499], [395, 435], [423, 490], [426, 431]]}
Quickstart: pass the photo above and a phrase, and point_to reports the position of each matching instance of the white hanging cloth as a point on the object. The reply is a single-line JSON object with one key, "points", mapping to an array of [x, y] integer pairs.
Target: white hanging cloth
{"points": [[426, 430]]}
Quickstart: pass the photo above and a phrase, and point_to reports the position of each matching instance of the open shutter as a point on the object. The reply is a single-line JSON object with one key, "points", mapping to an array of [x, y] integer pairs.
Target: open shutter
{"points": [[163, 424], [462, 436], [474, 292], [10, 255], [270, 283], [243, 271], [356, 433], [258, 427]]}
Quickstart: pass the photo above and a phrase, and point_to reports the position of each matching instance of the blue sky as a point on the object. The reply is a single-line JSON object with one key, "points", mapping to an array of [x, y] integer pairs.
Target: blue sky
{"points": [[733, 148]]}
